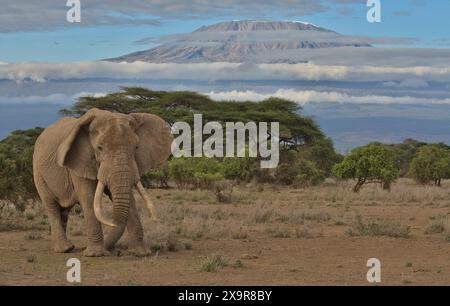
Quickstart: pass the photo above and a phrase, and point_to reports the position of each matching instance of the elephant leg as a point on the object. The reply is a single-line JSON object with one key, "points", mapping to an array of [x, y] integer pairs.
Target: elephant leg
{"points": [[55, 217], [58, 228], [135, 232], [95, 244], [65, 217]]}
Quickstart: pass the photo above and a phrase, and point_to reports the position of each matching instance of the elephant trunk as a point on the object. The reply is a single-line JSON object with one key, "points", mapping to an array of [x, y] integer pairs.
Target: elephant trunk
{"points": [[120, 184]]}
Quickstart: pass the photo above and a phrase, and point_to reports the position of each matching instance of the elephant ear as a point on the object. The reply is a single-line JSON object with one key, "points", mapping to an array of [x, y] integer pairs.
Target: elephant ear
{"points": [[75, 151], [155, 140]]}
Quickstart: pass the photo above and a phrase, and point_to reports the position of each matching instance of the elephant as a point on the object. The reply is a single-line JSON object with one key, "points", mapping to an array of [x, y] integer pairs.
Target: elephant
{"points": [[77, 160]]}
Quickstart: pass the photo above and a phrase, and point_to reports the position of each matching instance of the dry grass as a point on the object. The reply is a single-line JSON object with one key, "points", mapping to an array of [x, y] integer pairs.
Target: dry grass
{"points": [[213, 263], [267, 211], [263, 230], [383, 228]]}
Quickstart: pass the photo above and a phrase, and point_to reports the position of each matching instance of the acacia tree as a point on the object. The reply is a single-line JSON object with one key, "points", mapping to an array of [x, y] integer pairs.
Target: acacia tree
{"points": [[374, 163], [431, 164], [297, 132], [295, 129]]}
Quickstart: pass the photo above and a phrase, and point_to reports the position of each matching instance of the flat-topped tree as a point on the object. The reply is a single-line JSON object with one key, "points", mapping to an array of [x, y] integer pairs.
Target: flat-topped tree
{"points": [[295, 129]]}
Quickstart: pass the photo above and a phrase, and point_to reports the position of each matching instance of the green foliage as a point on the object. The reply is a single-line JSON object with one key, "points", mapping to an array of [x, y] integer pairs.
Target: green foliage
{"points": [[309, 174], [374, 163], [431, 164], [286, 174], [195, 172], [296, 169], [405, 152], [239, 169], [181, 106], [301, 173], [16, 166], [321, 153], [297, 132], [156, 178]]}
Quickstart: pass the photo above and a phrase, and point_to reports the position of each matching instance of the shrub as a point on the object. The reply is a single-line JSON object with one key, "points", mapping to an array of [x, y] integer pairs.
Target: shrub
{"points": [[16, 167], [223, 191], [436, 227], [384, 228], [300, 172], [213, 263], [286, 174], [374, 163], [180, 171], [207, 180], [156, 178], [309, 174], [196, 172], [431, 164], [238, 168]]}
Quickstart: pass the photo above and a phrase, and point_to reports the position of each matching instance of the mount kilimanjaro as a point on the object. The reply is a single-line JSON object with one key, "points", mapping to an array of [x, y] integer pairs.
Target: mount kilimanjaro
{"points": [[242, 41]]}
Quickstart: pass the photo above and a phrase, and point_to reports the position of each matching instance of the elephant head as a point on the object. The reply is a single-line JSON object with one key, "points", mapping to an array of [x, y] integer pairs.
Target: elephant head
{"points": [[115, 150]]}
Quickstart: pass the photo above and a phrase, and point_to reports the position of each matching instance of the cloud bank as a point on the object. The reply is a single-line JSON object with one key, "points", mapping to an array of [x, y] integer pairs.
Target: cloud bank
{"points": [[308, 96], [43, 72]]}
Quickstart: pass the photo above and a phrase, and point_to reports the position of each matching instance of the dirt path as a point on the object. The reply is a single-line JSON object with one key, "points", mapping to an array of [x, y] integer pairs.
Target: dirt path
{"points": [[277, 261]]}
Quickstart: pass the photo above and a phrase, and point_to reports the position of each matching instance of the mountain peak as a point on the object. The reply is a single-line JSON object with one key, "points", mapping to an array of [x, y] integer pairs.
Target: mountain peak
{"points": [[260, 25], [240, 41]]}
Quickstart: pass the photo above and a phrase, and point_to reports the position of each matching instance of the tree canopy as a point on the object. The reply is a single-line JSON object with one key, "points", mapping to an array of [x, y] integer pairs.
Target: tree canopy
{"points": [[431, 164], [176, 106], [374, 163]]}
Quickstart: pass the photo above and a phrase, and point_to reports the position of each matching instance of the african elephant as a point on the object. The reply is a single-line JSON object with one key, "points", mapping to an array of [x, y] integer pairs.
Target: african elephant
{"points": [[78, 160]]}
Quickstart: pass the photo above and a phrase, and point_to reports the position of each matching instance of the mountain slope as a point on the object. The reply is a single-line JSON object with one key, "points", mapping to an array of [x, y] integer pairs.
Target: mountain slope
{"points": [[241, 41]]}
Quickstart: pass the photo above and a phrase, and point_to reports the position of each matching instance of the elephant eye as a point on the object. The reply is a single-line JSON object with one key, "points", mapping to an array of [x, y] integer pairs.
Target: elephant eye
{"points": [[100, 148], [137, 147]]}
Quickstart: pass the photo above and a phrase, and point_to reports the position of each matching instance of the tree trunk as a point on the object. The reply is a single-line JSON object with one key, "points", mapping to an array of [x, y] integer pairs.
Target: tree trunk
{"points": [[359, 184]]}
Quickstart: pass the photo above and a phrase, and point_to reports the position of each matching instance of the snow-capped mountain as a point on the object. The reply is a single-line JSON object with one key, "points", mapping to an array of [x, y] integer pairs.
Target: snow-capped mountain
{"points": [[242, 41]]}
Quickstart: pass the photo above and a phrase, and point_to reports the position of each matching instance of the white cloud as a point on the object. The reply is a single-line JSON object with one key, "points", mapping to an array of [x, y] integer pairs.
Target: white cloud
{"points": [[308, 96], [57, 98], [42, 72]]}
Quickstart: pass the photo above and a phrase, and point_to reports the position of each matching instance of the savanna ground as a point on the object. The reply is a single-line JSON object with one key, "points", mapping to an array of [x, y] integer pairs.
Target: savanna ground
{"points": [[266, 235]]}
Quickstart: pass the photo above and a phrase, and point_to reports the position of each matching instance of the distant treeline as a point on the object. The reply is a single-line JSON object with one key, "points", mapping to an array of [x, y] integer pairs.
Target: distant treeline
{"points": [[307, 155]]}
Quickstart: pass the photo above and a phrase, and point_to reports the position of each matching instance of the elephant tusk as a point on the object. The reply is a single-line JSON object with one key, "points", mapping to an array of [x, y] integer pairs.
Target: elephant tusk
{"points": [[148, 202], [97, 201]]}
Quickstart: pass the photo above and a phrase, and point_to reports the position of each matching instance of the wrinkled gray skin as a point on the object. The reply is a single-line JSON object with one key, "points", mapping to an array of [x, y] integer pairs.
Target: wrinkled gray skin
{"points": [[72, 155]]}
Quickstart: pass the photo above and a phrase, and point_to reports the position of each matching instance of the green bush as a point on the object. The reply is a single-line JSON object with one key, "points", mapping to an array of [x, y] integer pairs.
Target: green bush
{"points": [[374, 163], [156, 178], [285, 174], [204, 180], [16, 167], [180, 171], [298, 171], [431, 164], [309, 174], [239, 169], [195, 172]]}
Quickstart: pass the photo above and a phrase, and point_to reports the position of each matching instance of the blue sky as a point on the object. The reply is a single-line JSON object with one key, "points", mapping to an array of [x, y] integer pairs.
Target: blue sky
{"points": [[43, 35]]}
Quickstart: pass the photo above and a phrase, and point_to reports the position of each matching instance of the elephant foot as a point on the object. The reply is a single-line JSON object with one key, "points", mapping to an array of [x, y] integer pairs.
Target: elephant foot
{"points": [[139, 251], [63, 246], [96, 251]]}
